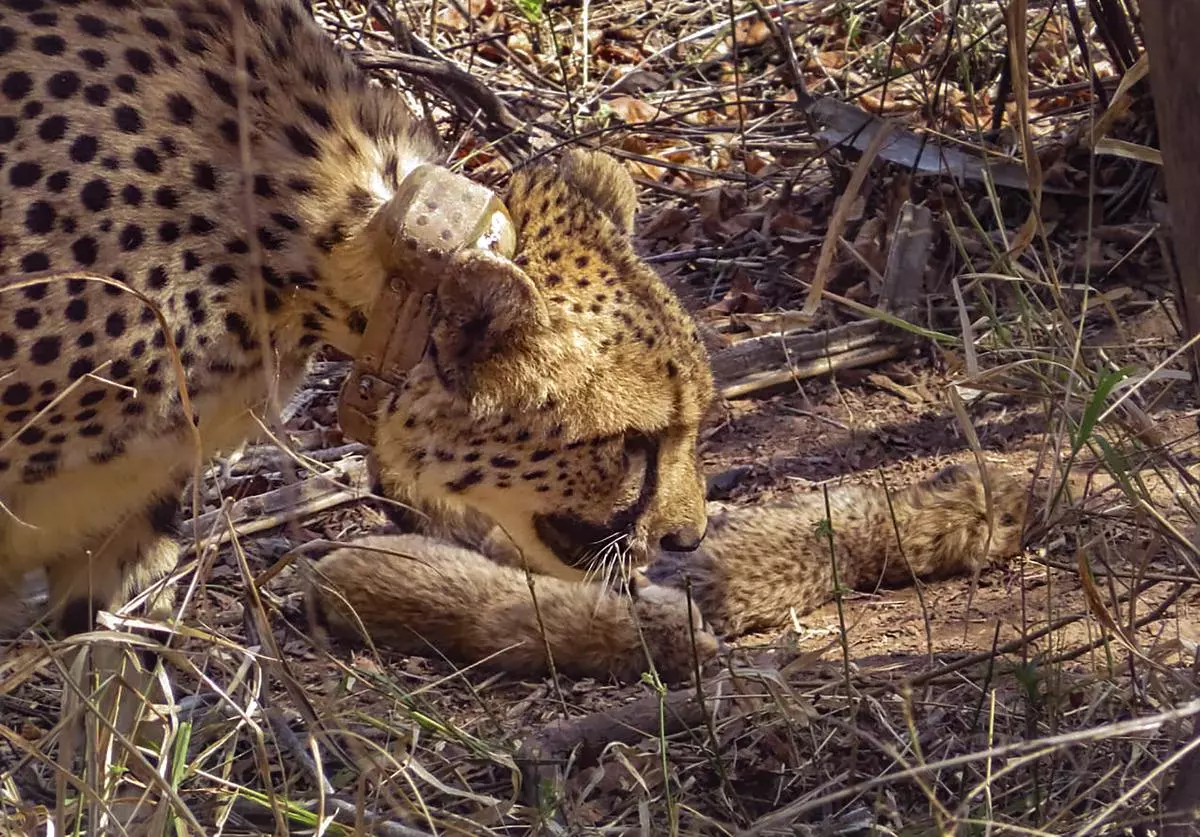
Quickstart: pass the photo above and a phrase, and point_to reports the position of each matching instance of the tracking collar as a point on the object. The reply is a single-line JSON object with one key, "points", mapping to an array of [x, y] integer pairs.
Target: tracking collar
{"points": [[434, 215]]}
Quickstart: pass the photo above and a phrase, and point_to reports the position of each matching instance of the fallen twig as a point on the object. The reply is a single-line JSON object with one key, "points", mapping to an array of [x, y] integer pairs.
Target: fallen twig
{"points": [[457, 85], [283, 505], [582, 740]]}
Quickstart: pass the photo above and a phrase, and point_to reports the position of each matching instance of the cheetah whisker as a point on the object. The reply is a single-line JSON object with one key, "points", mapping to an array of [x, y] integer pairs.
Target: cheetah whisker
{"points": [[596, 557]]}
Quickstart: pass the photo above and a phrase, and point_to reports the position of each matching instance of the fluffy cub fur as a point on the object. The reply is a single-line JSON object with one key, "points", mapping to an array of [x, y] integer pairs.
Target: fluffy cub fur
{"points": [[756, 564], [418, 595]]}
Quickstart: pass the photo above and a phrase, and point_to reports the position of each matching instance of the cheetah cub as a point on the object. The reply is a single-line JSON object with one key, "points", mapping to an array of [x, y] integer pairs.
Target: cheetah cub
{"points": [[756, 563], [759, 562], [418, 595]]}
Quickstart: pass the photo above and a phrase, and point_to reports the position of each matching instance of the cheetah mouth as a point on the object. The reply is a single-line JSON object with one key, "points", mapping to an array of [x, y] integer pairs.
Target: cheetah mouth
{"points": [[582, 544], [604, 547]]}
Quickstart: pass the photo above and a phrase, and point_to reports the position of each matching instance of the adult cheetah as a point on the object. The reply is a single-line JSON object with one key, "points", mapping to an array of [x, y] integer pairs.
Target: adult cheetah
{"points": [[253, 218]]}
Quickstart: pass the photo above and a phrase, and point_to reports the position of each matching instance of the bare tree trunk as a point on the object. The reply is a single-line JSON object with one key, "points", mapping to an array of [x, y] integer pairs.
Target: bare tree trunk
{"points": [[1172, 32]]}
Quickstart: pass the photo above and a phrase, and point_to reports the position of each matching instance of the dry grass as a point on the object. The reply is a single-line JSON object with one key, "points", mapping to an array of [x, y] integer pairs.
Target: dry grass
{"points": [[1076, 723]]}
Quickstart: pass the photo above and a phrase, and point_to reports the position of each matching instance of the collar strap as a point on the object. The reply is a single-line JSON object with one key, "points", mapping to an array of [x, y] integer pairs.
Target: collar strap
{"points": [[434, 214]]}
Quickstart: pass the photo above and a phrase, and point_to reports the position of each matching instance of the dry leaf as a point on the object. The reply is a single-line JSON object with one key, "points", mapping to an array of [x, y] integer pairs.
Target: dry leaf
{"points": [[519, 43], [752, 32], [617, 54], [787, 220], [832, 60], [668, 222], [632, 111], [742, 298], [755, 162]]}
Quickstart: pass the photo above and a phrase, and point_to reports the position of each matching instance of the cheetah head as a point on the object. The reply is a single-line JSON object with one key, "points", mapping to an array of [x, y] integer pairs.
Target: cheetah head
{"points": [[563, 390]]}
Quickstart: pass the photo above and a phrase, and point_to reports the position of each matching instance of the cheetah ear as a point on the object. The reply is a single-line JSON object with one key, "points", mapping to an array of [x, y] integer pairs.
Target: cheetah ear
{"points": [[603, 181], [488, 310]]}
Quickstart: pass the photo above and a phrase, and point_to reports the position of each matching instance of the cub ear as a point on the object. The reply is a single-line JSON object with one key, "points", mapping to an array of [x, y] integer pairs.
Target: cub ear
{"points": [[488, 310], [603, 181]]}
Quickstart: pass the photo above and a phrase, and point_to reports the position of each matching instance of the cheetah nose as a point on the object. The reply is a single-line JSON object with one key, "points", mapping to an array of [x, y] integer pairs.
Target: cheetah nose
{"points": [[683, 539]]}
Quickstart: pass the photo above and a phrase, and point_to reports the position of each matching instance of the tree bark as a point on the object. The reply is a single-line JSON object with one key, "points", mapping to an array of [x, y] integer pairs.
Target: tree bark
{"points": [[1172, 32]]}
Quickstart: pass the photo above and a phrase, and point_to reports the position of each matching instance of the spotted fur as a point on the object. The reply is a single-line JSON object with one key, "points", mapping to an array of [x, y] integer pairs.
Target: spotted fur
{"points": [[562, 393], [761, 563]]}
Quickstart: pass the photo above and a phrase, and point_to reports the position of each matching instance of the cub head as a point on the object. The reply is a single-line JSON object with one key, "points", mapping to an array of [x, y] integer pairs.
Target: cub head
{"points": [[562, 392]]}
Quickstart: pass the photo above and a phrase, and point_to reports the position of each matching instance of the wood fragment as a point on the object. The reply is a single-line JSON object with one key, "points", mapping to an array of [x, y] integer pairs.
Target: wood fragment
{"points": [[849, 125], [762, 363], [772, 351], [283, 505], [582, 740], [908, 256], [756, 382]]}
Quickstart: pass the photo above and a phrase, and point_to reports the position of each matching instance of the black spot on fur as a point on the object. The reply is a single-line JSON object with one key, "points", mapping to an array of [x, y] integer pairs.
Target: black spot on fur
{"points": [[96, 95], [127, 120], [155, 27], [317, 113], [96, 195], [63, 85], [140, 61], [24, 175], [45, 350], [91, 25], [53, 128], [16, 85], [302, 142], [238, 326], [147, 160], [181, 109], [94, 58], [465, 481], [35, 261], [204, 176]]}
